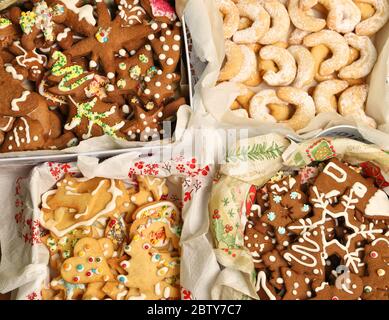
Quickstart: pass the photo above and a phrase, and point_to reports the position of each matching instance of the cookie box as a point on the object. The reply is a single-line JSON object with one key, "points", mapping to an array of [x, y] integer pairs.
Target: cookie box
{"points": [[26, 133], [174, 188], [277, 241]]}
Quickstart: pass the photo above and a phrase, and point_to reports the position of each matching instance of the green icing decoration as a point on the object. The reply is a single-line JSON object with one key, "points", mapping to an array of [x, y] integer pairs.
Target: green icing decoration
{"points": [[71, 72], [94, 118]]}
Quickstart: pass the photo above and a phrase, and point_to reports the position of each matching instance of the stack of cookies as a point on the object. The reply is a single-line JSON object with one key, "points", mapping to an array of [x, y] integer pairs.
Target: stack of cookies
{"points": [[296, 59], [108, 240], [70, 72], [321, 233]]}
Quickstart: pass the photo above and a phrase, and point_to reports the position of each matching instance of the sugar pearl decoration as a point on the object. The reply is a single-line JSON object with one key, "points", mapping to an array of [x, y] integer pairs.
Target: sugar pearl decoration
{"points": [[154, 26], [381, 272], [162, 39], [150, 37], [122, 52], [110, 75], [175, 47], [169, 61], [165, 47], [162, 56]]}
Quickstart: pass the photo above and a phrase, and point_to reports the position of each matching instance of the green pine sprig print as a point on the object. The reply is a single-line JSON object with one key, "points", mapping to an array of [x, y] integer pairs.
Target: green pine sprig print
{"points": [[255, 152]]}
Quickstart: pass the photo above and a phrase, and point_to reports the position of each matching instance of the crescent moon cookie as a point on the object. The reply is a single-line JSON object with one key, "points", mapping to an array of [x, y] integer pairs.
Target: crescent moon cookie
{"points": [[248, 67], [320, 54], [367, 57], [325, 95], [234, 61], [373, 24], [280, 23], [338, 46], [286, 66], [304, 19], [259, 109], [305, 66], [367, 10], [343, 15], [304, 105], [352, 103], [260, 18], [230, 14]]}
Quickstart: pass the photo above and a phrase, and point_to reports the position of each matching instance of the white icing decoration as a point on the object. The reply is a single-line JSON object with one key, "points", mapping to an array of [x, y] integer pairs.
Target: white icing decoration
{"points": [[22, 60], [22, 98], [343, 175], [28, 138], [261, 284], [7, 126], [84, 12], [10, 69]]}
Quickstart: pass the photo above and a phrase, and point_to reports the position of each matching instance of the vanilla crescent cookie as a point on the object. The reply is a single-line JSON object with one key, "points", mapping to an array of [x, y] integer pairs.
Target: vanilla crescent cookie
{"points": [[259, 105], [255, 78], [249, 65], [305, 66], [285, 62], [320, 53], [280, 23], [304, 19], [234, 61], [343, 15], [261, 22], [352, 103], [368, 57], [325, 95], [230, 17], [305, 107], [371, 25], [336, 43]]}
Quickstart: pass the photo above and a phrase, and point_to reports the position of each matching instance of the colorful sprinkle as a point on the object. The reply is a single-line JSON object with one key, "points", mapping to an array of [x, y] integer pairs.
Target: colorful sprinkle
{"points": [[295, 195], [122, 279], [135, 72], [143, 58], [102, 35]]}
